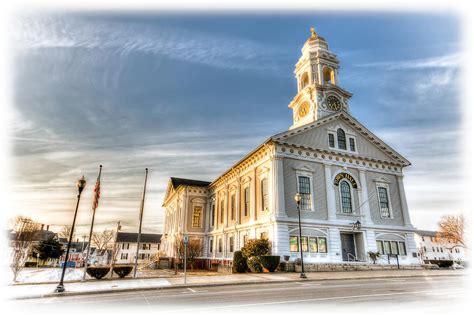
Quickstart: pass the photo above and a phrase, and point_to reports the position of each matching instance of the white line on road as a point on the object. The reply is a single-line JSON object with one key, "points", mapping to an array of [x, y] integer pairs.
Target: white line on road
{"points": [[319, 299], [194, 291]]}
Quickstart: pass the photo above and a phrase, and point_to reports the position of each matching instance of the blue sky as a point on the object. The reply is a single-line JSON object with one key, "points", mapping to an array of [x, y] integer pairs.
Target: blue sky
{"points": [[188, 95]]}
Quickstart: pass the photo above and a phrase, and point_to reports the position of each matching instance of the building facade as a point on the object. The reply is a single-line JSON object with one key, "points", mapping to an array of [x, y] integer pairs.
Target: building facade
{"points": [[432, 248], [126, 247], [344, 173]]}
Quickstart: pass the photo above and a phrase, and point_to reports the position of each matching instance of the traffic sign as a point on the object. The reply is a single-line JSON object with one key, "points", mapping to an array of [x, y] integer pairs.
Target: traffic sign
{"points": [[185, 239]]}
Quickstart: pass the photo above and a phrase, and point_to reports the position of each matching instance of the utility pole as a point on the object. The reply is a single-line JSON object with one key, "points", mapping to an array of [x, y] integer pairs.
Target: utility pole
{"points": [[140, 225]]}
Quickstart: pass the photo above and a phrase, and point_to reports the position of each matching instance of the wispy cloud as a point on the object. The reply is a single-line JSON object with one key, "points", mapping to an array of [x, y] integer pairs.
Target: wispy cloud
{"points": [[36, 32], [445, 61]]}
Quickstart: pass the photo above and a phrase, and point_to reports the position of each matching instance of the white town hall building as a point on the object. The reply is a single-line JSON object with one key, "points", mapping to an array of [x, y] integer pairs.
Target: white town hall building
{"points": [[344, 173]]}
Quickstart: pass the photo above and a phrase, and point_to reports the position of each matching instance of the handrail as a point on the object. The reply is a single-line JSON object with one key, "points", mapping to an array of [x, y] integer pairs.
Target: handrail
{"points": [[354, 258]]}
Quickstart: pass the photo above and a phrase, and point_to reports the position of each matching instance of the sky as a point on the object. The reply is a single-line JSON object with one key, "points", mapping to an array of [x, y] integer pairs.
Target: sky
{"points": [[188, 95]]}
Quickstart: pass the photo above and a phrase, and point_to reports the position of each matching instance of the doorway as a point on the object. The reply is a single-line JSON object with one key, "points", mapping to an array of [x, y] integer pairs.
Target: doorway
{"points": [[348, 247]]}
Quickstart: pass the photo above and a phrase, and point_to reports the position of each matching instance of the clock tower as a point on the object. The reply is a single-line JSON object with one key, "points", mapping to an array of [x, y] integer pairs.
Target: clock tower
{"points": [[316, 73]]}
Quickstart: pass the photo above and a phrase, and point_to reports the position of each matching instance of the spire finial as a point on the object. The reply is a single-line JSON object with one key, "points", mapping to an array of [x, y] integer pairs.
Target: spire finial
{"points": [[313, 33]]}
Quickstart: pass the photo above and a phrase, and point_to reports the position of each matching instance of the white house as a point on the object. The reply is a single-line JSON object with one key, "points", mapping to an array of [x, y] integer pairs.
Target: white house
{"points": [[126, 247], [432, 248], [344, 173]]}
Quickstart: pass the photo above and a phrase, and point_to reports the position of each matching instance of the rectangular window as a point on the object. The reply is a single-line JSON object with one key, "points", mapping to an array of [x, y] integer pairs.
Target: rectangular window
{"points": [[245, 239], [123, 245], [383, 202], [232, 207], [304, 243], [197, 216], [231, 244], [213, 214], [264, 236], [246, 201], [211, 244], [394, 247], [386, 247], [264, 193], [322, 245], [144, 246], [304, 188], [128, 245], [402, 248], [222, 211], [352, 144], [294, 244], [380, 247], [331, 140], [220, 245], [313, 245]]}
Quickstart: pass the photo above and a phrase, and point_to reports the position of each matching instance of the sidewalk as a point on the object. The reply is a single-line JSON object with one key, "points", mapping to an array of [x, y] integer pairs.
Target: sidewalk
{"points": [[26, 291]]}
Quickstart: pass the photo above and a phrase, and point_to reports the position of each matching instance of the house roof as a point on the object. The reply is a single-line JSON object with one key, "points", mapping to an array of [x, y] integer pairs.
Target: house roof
{"points": [[426, 233], [188, 182], [124, 237]]}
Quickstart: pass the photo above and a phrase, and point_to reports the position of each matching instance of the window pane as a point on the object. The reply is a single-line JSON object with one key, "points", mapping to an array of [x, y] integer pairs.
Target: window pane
{"points": [[264, 193], [331, 140], [197, 216], [294, 244], [246, 201], [304, 243], [402, 248], [222, 211], [341, 139], [313, 245], [304, 187], [352, 144], [380, 247], [394, 247], [383, 199], [386, 247], [345, 197], [232, 207], [322, 247]]}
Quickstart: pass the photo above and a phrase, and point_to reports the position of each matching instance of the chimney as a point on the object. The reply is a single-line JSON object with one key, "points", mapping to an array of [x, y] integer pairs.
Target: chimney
{"points": [[42, 227], [47, 227]]}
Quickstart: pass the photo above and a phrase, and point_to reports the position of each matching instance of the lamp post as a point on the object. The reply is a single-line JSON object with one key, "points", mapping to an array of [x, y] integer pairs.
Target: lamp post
{"points": [[81, 183], [298, 202]]}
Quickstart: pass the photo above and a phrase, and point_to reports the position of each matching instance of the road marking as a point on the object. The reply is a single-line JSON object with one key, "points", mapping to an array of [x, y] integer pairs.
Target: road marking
{"points": [[194, 291], [321, 299]]}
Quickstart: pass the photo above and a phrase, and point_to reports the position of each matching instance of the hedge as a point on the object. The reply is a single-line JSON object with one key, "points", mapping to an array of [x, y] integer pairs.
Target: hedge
{"points": [[98, 272], [122, 271], [254, 264], [269, 262], [239, 263]]}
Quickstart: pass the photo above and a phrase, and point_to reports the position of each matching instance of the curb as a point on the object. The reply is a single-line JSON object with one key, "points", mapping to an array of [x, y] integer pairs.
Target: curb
{"points": [[203, 285]]}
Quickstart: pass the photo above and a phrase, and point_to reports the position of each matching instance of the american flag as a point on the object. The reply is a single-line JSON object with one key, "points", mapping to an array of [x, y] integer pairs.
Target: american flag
{"points": [[95, 204]]}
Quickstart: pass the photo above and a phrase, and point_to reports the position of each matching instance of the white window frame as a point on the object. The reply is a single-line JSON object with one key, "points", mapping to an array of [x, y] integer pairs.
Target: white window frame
{"points": [[348, 134], [340, 197], [311, 186], [385, 185], [264, 177]]}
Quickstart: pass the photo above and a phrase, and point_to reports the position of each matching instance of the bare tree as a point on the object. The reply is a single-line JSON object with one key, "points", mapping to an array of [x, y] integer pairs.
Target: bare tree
{"points": [[451, 231], [194, 249], [23, 235], [103, 240], [65, 232]]}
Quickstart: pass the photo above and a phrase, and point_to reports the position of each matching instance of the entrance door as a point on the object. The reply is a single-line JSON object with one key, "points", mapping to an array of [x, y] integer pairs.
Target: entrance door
{"points": [[348, 247]]}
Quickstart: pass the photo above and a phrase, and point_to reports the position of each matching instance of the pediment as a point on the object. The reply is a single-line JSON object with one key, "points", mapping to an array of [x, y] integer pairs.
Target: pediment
{"points": [[314, 136]]}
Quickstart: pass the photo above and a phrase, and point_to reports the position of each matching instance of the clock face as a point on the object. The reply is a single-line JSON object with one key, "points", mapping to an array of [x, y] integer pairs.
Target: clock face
{"points": [[333, 103], [303, 110]]}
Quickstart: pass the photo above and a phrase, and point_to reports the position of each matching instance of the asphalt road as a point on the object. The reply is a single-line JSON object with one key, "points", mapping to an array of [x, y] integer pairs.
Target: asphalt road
{"points": [[431, 294]]}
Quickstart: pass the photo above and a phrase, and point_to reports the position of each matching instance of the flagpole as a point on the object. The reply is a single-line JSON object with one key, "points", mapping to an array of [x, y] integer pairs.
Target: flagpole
{"points": [[140, 225], [94, 206]]}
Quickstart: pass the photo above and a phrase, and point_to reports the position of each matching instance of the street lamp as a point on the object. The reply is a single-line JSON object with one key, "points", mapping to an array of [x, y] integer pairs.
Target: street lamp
{"points": [[81, 183], [356, 225], [298, 202]]}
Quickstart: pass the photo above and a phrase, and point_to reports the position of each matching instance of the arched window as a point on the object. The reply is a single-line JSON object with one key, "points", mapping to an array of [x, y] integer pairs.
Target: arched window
{"points": [[341, 139], [328, 76], [304, 80], [346, 199]]}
